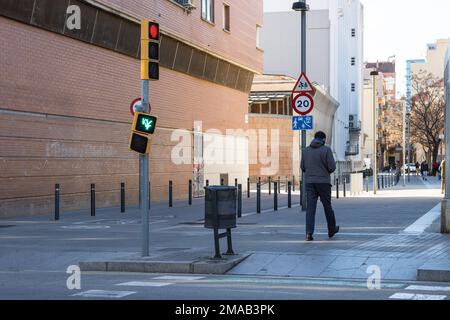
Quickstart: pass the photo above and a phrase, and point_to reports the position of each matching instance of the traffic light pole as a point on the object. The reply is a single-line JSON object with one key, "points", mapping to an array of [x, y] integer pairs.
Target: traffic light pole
{"points": [[303, 132], [144, 170]]}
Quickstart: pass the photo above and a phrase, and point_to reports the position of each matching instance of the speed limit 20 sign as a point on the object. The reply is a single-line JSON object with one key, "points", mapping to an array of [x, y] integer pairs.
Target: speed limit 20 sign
{"points": [[303, 104]]}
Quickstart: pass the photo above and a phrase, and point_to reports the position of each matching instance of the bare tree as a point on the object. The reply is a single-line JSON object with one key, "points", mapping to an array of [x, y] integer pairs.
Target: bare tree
{"points": [[427, 112]]}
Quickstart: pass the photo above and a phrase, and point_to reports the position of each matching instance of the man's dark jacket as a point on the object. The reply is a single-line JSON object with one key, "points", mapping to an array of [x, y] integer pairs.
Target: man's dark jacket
{"points": [[318, 162]]}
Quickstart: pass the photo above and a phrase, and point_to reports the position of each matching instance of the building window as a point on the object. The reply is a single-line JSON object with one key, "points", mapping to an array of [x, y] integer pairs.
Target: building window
{"points": [[353, 61], [353, 87], [208, 10], [226, 17], [353, 32], [258, 37]]}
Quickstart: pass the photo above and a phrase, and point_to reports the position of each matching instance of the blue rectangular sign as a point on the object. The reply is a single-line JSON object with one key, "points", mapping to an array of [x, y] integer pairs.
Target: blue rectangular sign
{"points": [[303, 123]]}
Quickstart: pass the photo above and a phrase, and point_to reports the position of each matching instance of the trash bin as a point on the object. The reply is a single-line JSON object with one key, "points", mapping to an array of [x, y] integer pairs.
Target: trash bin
{"points": [[220, 207]]}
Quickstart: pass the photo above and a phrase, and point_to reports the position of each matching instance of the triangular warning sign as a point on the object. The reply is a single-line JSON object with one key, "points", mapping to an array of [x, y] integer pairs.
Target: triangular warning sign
{"points": [[303, 85]]}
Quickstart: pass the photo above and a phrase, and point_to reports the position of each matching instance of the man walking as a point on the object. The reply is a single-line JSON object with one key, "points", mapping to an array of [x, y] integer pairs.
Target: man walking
{"points": [[318, 164]]}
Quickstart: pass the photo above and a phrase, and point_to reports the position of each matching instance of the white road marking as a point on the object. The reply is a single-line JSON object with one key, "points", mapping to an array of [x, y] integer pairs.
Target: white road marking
{"points": [[174, 278], [428, 288], [425, 221], [412, 296], [103, 294], [144, 284]]}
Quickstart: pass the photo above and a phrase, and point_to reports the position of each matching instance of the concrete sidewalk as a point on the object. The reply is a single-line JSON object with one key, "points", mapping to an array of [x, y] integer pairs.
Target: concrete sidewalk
{"points": [[372, 233]]}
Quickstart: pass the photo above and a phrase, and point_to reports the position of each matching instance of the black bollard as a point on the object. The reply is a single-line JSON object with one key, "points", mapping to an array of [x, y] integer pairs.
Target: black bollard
{"points": [[289, 195], [248, 187], [122, 197], [236, 182], [337, 188], [275, 198], [345, 187], [57, 205], [286, 185], [190, 192], [382, 181], [270, 185], [293, 183], [92, 200], [278, 189], [367, 184], [207, 183], [221, 182], [170, 194], [239, 190], [258, 198]]}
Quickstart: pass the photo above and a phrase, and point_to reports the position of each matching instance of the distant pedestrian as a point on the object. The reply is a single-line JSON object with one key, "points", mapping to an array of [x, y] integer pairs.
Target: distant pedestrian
{"points": [[318, 164], [417, 168], [424, 168], [435, 168]]}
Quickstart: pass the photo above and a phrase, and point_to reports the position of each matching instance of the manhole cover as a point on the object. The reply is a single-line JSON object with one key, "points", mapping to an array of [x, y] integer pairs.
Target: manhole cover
{"points": [[6, 226]]}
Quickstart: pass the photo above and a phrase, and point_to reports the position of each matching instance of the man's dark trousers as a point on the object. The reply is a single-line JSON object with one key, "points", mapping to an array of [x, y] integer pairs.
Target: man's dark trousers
{"points": [[314, 191]]}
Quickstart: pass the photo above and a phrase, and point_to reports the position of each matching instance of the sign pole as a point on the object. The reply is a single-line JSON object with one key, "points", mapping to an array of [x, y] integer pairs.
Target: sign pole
{"points": [[303, 132], [144, 169]]}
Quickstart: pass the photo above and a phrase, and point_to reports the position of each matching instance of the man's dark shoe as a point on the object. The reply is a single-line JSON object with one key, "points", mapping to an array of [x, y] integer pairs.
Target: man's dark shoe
{"points": [[309, 237], [331, 235]]}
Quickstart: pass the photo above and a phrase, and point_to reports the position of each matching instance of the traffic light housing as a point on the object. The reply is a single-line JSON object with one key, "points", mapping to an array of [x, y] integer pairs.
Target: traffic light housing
{"points": [[150, 41], [143, 128]]}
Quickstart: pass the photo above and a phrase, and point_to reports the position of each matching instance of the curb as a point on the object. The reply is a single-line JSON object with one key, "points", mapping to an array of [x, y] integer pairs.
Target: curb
{"points": [[200, 266], [436, 271]]}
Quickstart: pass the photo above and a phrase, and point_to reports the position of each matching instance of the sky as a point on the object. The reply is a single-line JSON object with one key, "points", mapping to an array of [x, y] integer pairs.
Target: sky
{"points": [[395, 27]]}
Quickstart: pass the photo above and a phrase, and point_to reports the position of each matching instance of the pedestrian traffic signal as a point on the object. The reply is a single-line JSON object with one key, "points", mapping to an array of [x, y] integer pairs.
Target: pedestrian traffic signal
{"points": [[150, 40], [140, 143], [144, 123], [143, 128]]}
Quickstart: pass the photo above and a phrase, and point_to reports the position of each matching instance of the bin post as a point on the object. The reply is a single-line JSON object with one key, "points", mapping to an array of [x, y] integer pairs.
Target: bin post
{"points": [[170, 194], [289, 195], [229, 244], [57, 204], [258, 198], [122, 197], [92, 200], [275, 198], [239, 196]]}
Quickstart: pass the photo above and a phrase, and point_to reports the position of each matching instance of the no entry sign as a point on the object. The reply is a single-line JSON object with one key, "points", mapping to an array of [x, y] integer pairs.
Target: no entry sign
{"points": [[136, 106], [303, 104]]}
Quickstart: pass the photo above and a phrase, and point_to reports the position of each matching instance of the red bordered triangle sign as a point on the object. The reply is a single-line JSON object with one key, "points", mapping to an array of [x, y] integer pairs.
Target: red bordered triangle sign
{"points": [[303, 85]]}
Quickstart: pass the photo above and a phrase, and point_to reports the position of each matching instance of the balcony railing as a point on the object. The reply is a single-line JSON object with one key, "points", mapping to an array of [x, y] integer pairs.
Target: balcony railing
{"points": [[352, 150]]}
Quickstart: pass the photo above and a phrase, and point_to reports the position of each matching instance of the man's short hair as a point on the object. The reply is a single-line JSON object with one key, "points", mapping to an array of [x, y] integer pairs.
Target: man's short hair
{"points": [[320, 135]]}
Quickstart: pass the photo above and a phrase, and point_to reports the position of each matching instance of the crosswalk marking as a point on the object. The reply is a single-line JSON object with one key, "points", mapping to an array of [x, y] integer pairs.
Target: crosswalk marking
{"points": [[144, 284], [103, 294], [174, 278], [414, 296], [427, 288]]}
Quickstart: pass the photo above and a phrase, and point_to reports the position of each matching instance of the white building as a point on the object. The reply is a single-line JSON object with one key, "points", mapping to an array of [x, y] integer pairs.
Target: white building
{"points": [[334, 60]]}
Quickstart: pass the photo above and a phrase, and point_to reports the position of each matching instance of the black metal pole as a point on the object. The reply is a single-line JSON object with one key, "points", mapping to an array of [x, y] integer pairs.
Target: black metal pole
{"points": [[289, 195], [286, 185], [92, 200], [248, 187], [293, 183], [229, 244], [337, 188], [190, 192], [270, 185], [275, 199], [221, 181], [345, 186], [239, 190], [122, 197], [279, 186], [236, 182], [170, 194], [382, 181], [258, 198], [207, 183], [367, 184], [57, 190]]}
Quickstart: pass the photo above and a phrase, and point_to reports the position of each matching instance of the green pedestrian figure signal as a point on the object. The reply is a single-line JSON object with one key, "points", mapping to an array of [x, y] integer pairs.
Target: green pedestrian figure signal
{"points": [[143, 128]]}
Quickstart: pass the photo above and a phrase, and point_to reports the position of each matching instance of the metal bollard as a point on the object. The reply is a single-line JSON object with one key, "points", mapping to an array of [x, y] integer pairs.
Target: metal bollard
{"points": [[337, 188], [239, 196], [92, 200], [286, 185], [190, 192], [300, 189], [57, 204], [207, 183], [293, 183], [236, 182], [275, 198], [289, 195], [258, 198], [221, 182], [382, 182], [170, 194], [345, 186], [270, 185], [122, 197], [248, 187], [367, 184], [279, 186]]}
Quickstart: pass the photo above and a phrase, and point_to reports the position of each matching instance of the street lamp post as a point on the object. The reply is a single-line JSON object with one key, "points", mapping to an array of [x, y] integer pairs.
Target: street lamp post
{"points": [[303, 7], [374, 74], [403, 145], [408, 115]]}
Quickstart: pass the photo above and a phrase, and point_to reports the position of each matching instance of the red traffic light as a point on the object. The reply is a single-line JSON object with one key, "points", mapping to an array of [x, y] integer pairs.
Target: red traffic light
{"points": [[154, 31]]}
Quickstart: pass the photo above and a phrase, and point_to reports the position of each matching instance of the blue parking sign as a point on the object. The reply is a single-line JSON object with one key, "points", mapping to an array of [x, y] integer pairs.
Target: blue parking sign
{"points": [[303, 123]]}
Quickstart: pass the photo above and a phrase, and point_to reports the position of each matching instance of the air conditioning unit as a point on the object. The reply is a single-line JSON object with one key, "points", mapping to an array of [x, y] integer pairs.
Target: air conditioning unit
{"points": [[188, 4], [353, 121]]}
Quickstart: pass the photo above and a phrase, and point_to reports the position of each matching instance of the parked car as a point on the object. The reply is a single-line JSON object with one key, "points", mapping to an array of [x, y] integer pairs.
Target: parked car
{"points": [[411, 167]]}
